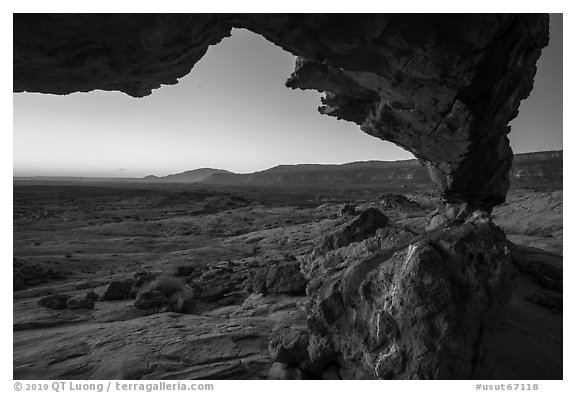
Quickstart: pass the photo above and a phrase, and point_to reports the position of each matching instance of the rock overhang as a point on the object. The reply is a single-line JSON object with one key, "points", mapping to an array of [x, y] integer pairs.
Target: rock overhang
{"points": [[442, 86]]}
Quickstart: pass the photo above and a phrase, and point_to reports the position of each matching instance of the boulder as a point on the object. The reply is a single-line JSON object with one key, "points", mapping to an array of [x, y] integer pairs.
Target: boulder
{"points": [[396, 201], [357, 229], [56, 302], [185, 303], [151, 300], [421, 311], [77, 304], [118, 289], [92, 296]]}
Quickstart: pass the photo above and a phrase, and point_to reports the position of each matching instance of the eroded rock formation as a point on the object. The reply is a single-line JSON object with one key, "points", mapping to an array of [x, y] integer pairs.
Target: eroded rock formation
{"points": [[384, 302], [397, 307], [443, 87]]}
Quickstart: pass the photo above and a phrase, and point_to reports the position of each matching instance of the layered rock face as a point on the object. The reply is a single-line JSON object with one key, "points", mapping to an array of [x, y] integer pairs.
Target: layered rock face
{"points": [[400, 306], [444, 87]]}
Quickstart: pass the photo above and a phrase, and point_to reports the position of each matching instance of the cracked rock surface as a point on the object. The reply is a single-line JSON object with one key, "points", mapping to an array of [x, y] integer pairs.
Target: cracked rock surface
{"points": [[423, 310]]}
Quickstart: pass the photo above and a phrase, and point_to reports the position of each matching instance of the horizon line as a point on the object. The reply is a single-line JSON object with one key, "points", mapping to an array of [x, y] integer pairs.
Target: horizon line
{"points": [[239, 173]]}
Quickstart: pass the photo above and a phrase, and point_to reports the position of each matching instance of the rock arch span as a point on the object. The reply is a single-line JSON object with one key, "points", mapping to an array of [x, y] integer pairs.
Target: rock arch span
{"points": [[443, 87], [384, 301]]}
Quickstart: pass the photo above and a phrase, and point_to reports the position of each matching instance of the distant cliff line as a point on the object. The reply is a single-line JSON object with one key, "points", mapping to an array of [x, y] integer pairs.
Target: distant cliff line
{"points": [[528, 170]]}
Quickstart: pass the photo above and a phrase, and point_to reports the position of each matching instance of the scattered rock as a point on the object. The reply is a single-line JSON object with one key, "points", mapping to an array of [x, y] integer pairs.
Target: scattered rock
{"points": [[151, 299], [118, 290], [396, 201], [185, 303], [92, 296], [76, 304], [56, 302]]}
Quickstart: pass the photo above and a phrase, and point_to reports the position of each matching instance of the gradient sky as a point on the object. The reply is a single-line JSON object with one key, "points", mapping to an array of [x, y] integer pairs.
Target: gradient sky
{"points": [[231, 112]]}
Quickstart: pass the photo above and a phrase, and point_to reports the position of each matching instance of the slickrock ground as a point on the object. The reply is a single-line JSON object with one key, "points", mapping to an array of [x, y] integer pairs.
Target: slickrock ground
{"points": [[236, 252]]}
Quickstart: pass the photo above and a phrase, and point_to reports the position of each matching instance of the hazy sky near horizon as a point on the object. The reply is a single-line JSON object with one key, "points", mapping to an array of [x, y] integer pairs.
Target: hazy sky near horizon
{"points": [[231, 112]]}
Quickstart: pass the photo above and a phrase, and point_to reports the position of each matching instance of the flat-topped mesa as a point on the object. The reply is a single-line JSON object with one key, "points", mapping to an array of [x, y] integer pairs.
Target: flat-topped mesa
{"points": [[444, 87]]}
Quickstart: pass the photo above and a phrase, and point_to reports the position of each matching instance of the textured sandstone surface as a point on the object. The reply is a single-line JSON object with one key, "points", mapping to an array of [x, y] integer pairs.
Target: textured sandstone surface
{"points": [[410, 307], [227, 333], [443, 87]]}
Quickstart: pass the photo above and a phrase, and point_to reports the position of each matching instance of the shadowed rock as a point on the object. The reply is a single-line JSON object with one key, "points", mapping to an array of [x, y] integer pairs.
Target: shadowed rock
{"points": [[78, 304], [118, 290], [161, 293], [57, 302], [419, 312], [443, 86], [285, 372], [359, 228], [384, 303], [290, 345], [282, 277], [92, 296]]}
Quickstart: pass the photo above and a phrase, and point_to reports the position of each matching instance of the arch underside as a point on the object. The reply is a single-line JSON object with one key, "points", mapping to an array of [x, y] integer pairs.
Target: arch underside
{"points": [[444, 87], [384, 303]]}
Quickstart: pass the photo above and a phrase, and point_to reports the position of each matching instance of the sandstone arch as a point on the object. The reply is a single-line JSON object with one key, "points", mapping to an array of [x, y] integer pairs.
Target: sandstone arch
{"points": [[443, 87]]}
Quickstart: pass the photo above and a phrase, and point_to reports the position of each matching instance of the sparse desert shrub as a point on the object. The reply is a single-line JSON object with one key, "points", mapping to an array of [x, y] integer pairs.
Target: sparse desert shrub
{"points": [[168, 285], [166, 292], [143, 277], [30, 274], [56, 302]]}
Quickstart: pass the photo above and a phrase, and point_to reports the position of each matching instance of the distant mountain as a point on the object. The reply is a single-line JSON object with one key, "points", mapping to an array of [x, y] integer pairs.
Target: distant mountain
{"points": [[540, 169], [193, 176], [528, 169], [368, 173]]}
